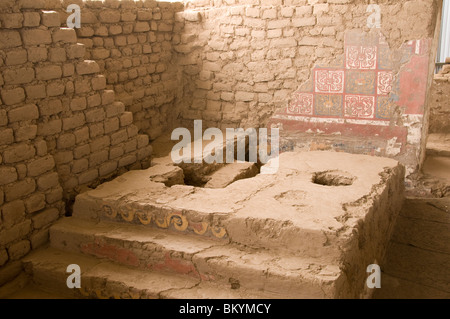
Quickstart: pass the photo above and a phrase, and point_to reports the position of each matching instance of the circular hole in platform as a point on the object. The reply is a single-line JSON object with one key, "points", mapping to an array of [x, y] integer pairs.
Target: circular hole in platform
{"points": [[333, 178]]}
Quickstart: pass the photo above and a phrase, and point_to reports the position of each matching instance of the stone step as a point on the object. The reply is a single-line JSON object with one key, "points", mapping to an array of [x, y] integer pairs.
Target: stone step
{"points": [[230, 265], [101, 279], [292, 210], [334, 207]]}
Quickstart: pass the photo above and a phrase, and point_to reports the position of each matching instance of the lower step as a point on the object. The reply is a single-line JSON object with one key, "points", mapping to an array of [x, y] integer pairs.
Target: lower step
{"points": [[207, 260], [101, 279]]}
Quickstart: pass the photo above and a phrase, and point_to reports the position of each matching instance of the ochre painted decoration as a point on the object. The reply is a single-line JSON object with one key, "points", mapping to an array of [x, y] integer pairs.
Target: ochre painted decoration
{"points": [[127, 213], [179, 221], [144, 218], [109, 212], [219, 232], [201, 228], [162, 220], [84, 292]]}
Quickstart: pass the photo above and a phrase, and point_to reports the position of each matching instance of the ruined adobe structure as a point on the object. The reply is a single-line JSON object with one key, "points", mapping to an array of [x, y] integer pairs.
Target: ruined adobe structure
{"points": [[440, 108], [81, 106]]}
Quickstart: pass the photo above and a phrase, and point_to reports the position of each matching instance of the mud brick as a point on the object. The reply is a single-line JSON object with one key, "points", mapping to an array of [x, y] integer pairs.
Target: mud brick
{"points": [[109, 16], [54, 195], [108, 97], [16, 57], [126, 119], [80, 166], [48, 181], [50, 107], [119, 137], [48, 72], [18, 153], [88, 176], [75, 121], [87, 67], [25, 133], [107, 168], [45, 218], [13, 213], [24, 113], [6, 136], [36, 37], [97, 158], [35, 203], [9, 39], [99, 83], [78, 104], [14, 233], [65, 35], [97, 115], [66, 141], [13, 96], [19, 189], [50, 19], [31, 19], [41, 166], [49, 128], [18, 250], [111, 125], [7, 175], [127, 160], [35, 91], [94, 100], [37, 54], [75, 51]]}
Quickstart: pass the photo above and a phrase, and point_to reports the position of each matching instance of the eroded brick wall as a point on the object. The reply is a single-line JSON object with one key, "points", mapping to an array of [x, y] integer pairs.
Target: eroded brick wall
{"points": [[132, 43], [61, 128]]}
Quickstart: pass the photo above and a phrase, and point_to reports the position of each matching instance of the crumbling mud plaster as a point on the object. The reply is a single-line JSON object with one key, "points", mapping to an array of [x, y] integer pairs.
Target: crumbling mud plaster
{"points": [[258, 63]]}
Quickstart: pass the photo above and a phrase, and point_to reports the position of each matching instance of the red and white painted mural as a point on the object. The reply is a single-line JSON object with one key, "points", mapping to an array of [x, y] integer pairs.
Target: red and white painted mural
{"points": [[371, 92]]}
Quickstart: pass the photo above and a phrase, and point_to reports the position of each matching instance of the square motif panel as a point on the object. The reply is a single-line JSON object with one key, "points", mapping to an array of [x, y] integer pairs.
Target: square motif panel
{"points": [[384, 83], [360, 82], [384, 106], [329, 81], [301, 104], [328, 105], [361, 57], [359, 106]]}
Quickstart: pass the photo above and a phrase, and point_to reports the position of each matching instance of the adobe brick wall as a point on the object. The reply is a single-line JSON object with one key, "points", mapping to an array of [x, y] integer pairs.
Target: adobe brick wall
{"points": [[61, 127], [131, 41]]}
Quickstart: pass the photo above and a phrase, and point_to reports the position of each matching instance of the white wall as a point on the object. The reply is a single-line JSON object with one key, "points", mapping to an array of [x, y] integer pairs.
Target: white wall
{"points": [[444, 48]]}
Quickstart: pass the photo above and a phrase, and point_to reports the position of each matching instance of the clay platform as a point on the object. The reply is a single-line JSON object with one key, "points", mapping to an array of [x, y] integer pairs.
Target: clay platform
{"points": [[308, 231]]}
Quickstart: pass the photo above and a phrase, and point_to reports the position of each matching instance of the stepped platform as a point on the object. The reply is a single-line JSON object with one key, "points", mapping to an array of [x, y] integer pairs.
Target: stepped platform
{"points": [[308, 231]]}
